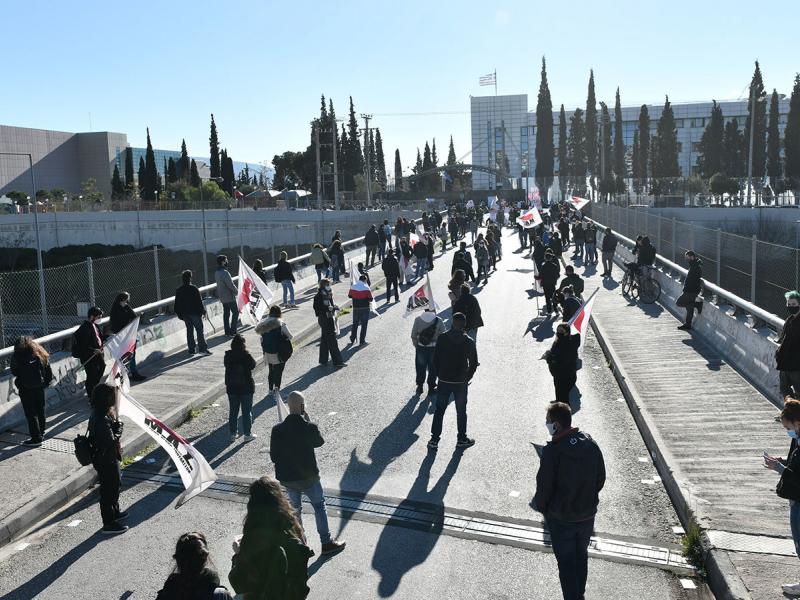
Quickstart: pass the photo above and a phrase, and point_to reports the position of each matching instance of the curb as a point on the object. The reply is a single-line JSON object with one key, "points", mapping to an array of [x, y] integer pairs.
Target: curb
{"points": [[723, 579]]}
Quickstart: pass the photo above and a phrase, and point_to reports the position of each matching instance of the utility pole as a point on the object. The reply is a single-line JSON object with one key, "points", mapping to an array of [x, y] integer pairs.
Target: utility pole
{"points": [[366, 156]]}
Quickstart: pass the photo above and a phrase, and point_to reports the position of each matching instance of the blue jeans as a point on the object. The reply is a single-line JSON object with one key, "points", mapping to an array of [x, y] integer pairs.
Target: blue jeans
{"points": [[459, 393], [591, 252], [235, 402], [360, 317], [288, 288], [571, 546], [578, 249], [382, 250], [194, 323], [321, 269], [295, 490], [794, 521], [422, 267], [424, 363], [230, 317]]}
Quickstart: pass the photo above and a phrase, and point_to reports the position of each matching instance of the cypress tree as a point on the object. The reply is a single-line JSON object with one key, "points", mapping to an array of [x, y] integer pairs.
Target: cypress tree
{"points": [[543, 153], [563, 158], [142, 175], [129, 179], [373, 158], [605, 159], [619, 145], [150, 171], [637, 181], [758, 96], [398, 171], [576, 152], [380, 160], [194, 176], [426, 166], [183, 165], [591, 128], [418, 182], [117, 187], [354, 161], [172, 171], [451, 154], [773, 141], [791, 138], [434, 158], [644, 146], [711, 159], [213, 141], [665, 145], [333, 128], [734, 150]]}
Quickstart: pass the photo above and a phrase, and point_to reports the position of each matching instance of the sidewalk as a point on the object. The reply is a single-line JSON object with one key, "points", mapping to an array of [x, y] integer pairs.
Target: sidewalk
{"points": [[39, 480], [706, 428]]}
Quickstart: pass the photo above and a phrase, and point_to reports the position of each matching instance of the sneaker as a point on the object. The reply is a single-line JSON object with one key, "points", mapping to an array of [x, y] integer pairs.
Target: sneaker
{"points": [[114, 528], [433, 443], [363, 343], [685, 327], [192, 352], [465, 443], [206, 351], [339, 365], [419, 389], [122, 515], [791, 589], [233, 437], [250, 437], [333, 547], [32, 443]]}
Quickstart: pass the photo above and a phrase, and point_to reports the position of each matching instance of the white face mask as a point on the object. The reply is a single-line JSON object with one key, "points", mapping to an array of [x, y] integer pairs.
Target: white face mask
{"points": [[551, 428], [327, 288]]}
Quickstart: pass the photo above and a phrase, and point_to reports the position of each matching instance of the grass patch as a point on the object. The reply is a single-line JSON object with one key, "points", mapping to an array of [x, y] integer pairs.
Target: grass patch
{"points": [[127, 461], [344, 311], [693, 548], [193, 414]]}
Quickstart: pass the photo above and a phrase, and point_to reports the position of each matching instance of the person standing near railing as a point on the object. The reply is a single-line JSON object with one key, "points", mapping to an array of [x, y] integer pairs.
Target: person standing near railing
{"points": [[590, 244], [190, 309], [691, 289], [121, 316], [30, 365], [227, 292], [88, 348], [371, 241], [326, 309], [608, 248], [284, 274], [787, 356]]}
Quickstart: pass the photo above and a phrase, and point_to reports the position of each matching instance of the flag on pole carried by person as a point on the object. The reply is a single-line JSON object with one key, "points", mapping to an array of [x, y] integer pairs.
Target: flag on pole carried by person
{"points": [[254, 295], [283, 410], [577, 202], [579, 323], [354, 273], [121, 346], [422, 298], [530, 219]]}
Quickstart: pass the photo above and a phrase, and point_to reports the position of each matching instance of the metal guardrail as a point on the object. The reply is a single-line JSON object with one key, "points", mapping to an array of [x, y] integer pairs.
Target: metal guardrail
{"points": [[759, 316]]}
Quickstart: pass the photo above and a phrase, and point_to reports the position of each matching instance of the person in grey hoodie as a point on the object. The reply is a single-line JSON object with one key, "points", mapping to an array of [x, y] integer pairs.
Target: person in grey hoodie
{"points": [[227, 292]]}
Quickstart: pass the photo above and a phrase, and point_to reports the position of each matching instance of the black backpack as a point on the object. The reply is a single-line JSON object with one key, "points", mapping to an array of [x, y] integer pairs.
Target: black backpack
{"points": [[83, 448], [74, 346], [426, 335]]}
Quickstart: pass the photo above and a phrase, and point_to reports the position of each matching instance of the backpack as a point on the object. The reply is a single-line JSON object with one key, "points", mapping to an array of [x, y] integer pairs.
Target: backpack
{"points": [[270, 341], [74, 346], [288, 571], [83, 448], [426, 335]]}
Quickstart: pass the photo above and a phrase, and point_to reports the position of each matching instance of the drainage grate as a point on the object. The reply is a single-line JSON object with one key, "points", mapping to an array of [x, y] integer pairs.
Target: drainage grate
{"points": [[461, 524], [744, 542], [11, 439]]}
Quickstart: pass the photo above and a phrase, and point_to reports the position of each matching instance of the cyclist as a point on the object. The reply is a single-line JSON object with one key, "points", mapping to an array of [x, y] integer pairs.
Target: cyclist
{"points": [[631, 266]]}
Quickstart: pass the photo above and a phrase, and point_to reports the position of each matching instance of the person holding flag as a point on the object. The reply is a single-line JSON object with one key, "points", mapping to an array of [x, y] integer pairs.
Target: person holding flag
{"points": [[562, 360], [326, 310], [87, 346], [253, 295], [362, 299], [123, 315]]}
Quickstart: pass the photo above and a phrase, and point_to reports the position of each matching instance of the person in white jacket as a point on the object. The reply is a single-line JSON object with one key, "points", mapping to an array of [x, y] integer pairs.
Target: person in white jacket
{"points": [[273, 331], [427, 328]]}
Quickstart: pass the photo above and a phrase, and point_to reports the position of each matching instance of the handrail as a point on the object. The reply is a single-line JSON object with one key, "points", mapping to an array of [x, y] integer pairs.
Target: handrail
{"points": [[759, 314]]}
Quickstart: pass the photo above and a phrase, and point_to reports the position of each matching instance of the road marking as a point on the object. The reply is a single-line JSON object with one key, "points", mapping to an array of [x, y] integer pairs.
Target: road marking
{"points": [[330, 414], [514, 494], [643, 459], [648, 481], [678, 530], [688, 584], [74, 523], [620, 399]]}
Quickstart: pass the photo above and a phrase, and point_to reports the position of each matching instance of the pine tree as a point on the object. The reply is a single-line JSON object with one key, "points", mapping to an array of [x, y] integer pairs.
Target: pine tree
{"points": [[543, 153], [142, 176], [150, 171], [563, 156], [451, 154], [711, 159], [576, 152], [605, 157], [380, 160], [773, 142], [733, 150], [398, 171], [194, 176], [183, 165], [172, 171], [353, 159], [591, 128], [117, 187], [758, 95], [791, 138], [213, 142], [641, 166], [620, 172], [665, 145], [129, 179]]}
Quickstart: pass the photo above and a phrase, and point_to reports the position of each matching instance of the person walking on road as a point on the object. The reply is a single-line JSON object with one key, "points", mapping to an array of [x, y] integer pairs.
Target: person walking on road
{"points": [[468, 304], [609, 246], [789, 483], [571, 475], [691, 289], [193, 578], [336, 254], [272, 537], [320, 260], [384, 239], [426, 330], [291, 449], [190, 309], [123, 315], [361, 296], [421, 254], [391, 270], [371, 240], [463, 260], [284, 274], [548, 274], [455, 359], [787, 355], [105, 431], [30, 365], [227, 292], [239, 385], [88, 348], [326, 310], [276, 345], [562, 360]]}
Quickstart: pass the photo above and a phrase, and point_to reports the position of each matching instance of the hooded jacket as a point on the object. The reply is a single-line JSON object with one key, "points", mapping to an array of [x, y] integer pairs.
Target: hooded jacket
{"points": [[570, 477], [371, 237], [390, 266], [467, 304], [291, 448], [455, 357]]}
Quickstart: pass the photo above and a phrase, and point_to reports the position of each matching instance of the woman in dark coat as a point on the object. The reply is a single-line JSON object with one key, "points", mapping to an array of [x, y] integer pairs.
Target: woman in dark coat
{"points": [[121, 316], [239, 384], [193, 578], [562, 360], [30, 365]]}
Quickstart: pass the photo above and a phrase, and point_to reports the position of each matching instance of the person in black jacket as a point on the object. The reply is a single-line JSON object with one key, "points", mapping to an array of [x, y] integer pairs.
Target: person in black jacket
{"points": [[391, 270], [291, 448], [421, 254], [562, 360], [239, 385], [608, 248], [463, 260], [789, 484], [121, 316], [284, 274], [193, 577], [105, 431], [548, 274], [30, 365], [571, 474], [468, 304], [691, 289], [455, 359], [326, 309], [88, 348], [371, 240], [190, 309], [787, 355]]}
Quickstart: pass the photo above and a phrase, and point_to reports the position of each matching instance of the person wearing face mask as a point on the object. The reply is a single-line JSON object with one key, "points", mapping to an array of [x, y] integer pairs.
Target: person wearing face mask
{"points": [[121, 316], [571, 474], [691, 289], [326, 310], [789, 483], [787, 356], [562, 360]]}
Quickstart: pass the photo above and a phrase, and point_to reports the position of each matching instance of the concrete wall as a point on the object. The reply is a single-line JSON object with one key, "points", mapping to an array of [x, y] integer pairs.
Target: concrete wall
{"points": [[224, 228]]}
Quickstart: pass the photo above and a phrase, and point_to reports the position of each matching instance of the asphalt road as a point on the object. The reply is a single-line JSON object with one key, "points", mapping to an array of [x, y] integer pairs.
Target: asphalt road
{"points": [[376, 429]]}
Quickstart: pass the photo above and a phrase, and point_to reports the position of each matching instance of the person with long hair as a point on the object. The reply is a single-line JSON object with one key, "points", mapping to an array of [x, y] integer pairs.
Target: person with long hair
{"points": [[105, 431], [271, 557], [274, 333], [123, 315], [194, 577], [239, 385], [30, 365]]}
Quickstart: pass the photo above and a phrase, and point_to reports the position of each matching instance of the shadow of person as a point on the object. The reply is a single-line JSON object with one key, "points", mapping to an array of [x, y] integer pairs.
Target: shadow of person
{"points": [[575, 399], [589, 269], [713, 360], [545, 330], [610, 284], [400, 549]]}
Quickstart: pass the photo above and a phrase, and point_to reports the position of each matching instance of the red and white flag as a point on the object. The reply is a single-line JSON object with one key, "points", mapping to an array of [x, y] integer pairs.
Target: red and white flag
{"points": [[254, 295], [283, 410], [577, 202], [422, 298], [530, 219], [579, 323], [120, 346], [413, 239]]}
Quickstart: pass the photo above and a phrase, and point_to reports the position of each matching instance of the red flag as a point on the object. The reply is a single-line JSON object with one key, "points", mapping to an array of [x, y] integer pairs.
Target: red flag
{"points": [[530, 219], [238, 195], [579, 323], [578, 203]]}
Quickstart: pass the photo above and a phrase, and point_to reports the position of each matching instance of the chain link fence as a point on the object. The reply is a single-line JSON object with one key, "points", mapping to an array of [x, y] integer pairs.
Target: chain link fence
{"points": [[757, 271]]}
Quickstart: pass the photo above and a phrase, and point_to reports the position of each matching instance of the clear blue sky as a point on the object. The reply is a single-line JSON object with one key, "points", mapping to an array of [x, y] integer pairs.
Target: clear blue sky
{"points": [[260, 67]]}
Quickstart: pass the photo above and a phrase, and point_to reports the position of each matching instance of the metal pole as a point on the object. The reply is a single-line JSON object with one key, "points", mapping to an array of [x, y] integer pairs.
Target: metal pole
{"points": [[272, 243], [42, 292], [205, 242], [753, 270], [296, 244], [335, 170], [691, 237], [750, 152], [674, 226], [90, 276], [797, 255], [241, 245], [158, 273], [719, 257], [658, 229], [2, 330]]}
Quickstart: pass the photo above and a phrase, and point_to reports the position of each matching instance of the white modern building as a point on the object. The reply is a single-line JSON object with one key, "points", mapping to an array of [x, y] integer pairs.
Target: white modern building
{"points": [[504, 133]]}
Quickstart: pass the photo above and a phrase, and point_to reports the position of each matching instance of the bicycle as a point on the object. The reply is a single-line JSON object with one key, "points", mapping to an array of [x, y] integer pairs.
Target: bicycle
{"points": [[643, 286]]}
